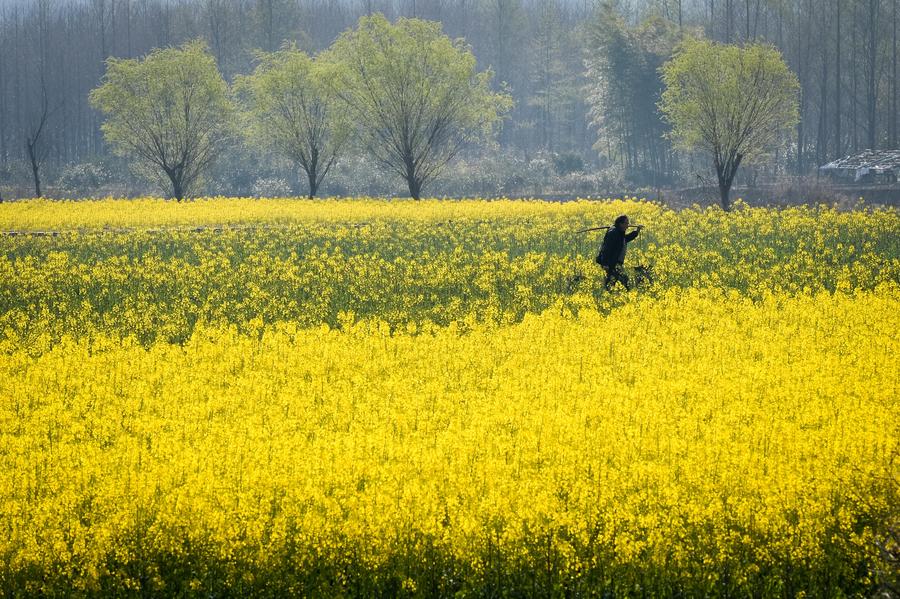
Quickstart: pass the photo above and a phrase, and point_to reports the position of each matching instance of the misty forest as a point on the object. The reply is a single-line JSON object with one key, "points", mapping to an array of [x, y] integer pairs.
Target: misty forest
{"points": [[583, 81]]}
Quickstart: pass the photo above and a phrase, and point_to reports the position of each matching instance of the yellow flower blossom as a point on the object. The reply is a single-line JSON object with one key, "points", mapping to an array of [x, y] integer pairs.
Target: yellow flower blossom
{"points": [[358, 398]]}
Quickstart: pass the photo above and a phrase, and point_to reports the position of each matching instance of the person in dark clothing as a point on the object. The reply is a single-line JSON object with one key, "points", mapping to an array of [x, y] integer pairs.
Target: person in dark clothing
{"points": [[612, 252]]}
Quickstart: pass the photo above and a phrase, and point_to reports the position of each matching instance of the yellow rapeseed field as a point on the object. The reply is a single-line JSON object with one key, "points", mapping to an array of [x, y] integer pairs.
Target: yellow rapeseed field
{"points": [[374, 398]]}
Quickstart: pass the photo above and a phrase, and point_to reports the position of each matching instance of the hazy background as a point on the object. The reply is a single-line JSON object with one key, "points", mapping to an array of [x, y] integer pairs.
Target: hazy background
{"points": [[576, 128]]}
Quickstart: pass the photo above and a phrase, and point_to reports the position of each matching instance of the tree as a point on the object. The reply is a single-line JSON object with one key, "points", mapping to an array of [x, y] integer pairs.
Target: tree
{"points": [[170, 111], [36, 132], [416, 94], [838, 82], [274, 21], [35, 145], [624, 87], [553, 83], [873, 74], [734, 103], [291, 108]]}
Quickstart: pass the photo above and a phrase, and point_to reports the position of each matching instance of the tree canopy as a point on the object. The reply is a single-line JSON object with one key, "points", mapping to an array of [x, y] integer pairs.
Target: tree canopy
{"points": [[170, 111], [291, 109], [731, 102], [417, 94]]}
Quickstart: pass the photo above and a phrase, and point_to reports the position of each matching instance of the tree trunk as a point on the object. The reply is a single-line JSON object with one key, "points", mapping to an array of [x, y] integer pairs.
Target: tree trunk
{"points": [[17, 78], [838, 146], [725, 195], [2, 118], [128, 27], [35, 168], [313, 183], [854, 115], [177, 185], [822, 141], [756, 21], [872, 95], [312, 171], [801, 140], [747, 28], [893, 143], [725, 173], [415, 188], [32, 148], [729, 20], [801, 74]]}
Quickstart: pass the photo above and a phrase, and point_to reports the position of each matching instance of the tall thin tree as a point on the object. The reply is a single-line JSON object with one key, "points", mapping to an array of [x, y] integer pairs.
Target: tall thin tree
{"points": [[838, 82], [872, 75], [893, 121]]}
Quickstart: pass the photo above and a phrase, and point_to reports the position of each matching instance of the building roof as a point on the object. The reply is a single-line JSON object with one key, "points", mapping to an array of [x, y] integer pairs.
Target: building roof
{"points": [[874, 162]]}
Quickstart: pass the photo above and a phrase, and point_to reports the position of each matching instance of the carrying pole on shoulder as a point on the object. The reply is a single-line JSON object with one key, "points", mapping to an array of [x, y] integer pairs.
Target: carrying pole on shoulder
{"points": [[603, 229], [578, 248], [591, 230]]}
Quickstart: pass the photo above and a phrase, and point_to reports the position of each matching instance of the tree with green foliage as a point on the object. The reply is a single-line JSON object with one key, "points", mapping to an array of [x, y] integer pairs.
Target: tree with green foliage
{"points": [[169, 111], [290, 107], [734, 103], [415, 93]]}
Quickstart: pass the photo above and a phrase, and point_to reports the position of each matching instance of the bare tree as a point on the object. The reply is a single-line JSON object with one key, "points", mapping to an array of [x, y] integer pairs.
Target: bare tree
{"points": [[872, 74], [838, 82], [893, 131], [36, 130], [35, 142], [3, 50]]}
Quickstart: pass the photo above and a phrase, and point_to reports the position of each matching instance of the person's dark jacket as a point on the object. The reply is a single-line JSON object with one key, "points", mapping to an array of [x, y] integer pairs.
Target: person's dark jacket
{"points": [[612, 251]]}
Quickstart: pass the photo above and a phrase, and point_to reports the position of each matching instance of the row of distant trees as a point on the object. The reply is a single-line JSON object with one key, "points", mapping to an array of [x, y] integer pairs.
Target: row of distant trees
{"points": [[844, 52], [56, 50], [411, 98]]}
